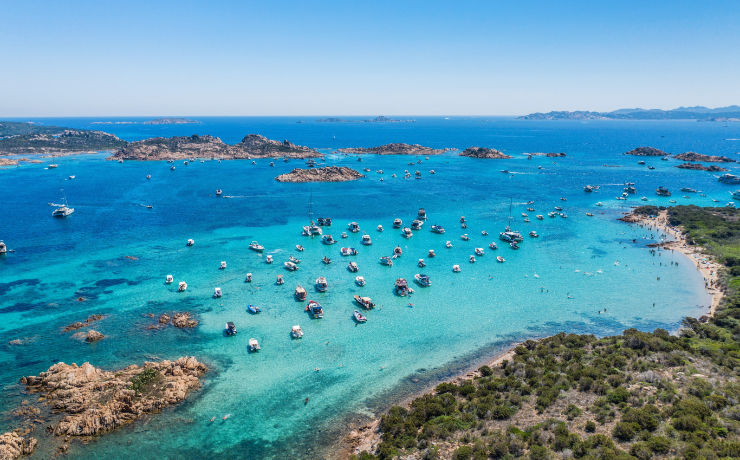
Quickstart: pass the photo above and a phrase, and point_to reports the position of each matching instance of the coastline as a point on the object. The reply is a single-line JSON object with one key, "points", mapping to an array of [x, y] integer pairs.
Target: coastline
{"points": [[366, 437]]}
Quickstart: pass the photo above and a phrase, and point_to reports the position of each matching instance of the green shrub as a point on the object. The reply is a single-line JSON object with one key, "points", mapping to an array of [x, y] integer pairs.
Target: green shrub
{"points": [[624, 431]]}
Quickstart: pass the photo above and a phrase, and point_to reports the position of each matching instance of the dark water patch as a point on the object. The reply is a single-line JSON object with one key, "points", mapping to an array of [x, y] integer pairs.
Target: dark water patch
{"points": [[6, 287], [23, 306], [113, 282], [596, 252]]}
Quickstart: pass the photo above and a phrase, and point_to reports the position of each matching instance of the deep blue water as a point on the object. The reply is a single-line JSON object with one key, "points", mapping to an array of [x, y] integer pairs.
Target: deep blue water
{"points": [[560, 281]]}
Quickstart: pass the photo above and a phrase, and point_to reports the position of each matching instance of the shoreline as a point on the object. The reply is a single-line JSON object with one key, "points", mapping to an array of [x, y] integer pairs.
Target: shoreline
{"points": [[366, 437]]}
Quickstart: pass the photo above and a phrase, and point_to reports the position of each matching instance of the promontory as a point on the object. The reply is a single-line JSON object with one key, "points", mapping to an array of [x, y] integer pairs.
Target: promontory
{"points": [[394, 149], [326, 174], [484, 152], [206, 146], [32, 138]]}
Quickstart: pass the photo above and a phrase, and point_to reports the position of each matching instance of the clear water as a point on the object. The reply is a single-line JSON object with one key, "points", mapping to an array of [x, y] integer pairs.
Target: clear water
{"points": [[579, 266]]}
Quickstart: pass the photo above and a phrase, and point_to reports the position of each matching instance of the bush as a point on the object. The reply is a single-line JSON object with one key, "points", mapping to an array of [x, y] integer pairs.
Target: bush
{"points": [[659, 444], [624, 431], [618, 395], [140, 382], [590, 426], [463, 453]]}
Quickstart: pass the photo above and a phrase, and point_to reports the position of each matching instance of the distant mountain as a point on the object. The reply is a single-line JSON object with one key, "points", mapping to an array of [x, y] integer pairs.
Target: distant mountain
{"points": [[729, 113]]}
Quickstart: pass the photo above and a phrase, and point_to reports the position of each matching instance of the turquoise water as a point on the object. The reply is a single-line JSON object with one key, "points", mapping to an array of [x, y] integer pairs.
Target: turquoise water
{"points": [[577, 267]]}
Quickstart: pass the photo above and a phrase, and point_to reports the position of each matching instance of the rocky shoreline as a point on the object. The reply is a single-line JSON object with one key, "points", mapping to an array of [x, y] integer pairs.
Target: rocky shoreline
{"points": [[693, 156], [646, 152], [325, 174], [394, 149], [701, 167], [484, 152]]}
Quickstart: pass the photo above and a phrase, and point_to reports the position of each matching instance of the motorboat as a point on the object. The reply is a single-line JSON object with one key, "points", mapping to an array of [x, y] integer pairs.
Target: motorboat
{"points": [[344, 235], [397, 251], [421, 264], [590, 188], [641, 162], [493, 245], [279, 280], [485, 233], [219, 192], [397, 223], [53, 166], [407, 233], [462, 219], [729, 179], [448, 244], [552, 214], [314, 230], [539, 216], [190, 242], [416, 224], [172, 168], [379, 228], [599, 204], [558, 208], [168, 280], [255, 246], [530, 209], [422, 214], [464, 237], [182, 286], [526, 219], [524, 214], [479, 251], [366, 240], [662, 191], [254, 346], [630, 189], [438, 229], [248, 279], [352, 266], [296, 332], [299, 293], [148, 176], [431, 171], [385, 260], [217, 293], [328, 239], [348, 251], [222, 266], [299, 248], [533, 234], [422, 280], [314, 309], [268, 259], [417, 175], [72, 177], [500, 259], [589, 214], [736, 195], [471, 259], [326, 260], [321, 285], [294, 260], [402, 287], [360, 281], [359, 317], [651, 167], [253, 309], [456, 268], [230, 328], [353, 227], [364, 302], [431, 253], [290, 266]]}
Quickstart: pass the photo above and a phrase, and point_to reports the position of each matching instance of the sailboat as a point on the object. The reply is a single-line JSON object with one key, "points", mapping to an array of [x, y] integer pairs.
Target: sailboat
{"points": [[508, 235], [63, 210], [312, 229]]}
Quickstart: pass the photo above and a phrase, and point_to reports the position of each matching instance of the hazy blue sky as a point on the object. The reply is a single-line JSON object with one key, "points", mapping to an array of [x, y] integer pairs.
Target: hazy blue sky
{"points": [[69, 58]]}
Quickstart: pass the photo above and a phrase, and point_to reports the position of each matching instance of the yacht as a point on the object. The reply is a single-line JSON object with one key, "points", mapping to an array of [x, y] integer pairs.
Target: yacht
{"points": [[321, 284], [348, 251], [421, 264], [217, 293], [254, 346], [253, 309], [729, 179], [533, 234], [222, 266], [479, 251], [255, 246], [219, 192], [359, 317], [366, 240], [352, 266], [462, 219], [290, 266], [360, 281], [397, 251], [294, 260], [279, 280], [416, 224], [422, 280], [190, 242], [299, 248], [365, 302], [380, 228], [328, 239], [644, 198], [299, 293], [500, 259], [53, 166], [493, 245], [168, 280], [471, 259], [182, 286], [397, 223], [431, 253], [385, 260], [407, 233], [344, 235], [248, 279], [314, 309], [230, 328], [448, 244], [599, 204], [513, 245], [296, 332], [736, 195], [662, 191], [326, 260], [510, 236], [63, 210], [539, 216], [438, 229], [464, 237], [402, 287], [630, 189], [268, 259], [456, 268], [148, 176], [485, 233], [422, 214], [353, 227]]}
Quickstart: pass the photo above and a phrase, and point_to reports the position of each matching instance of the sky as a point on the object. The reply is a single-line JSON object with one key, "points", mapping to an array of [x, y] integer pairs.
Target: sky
{"points": [[494, 57]]}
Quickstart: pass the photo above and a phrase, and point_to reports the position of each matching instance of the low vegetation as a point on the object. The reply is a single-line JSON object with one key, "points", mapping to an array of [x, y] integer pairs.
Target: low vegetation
{"points": [[637, 395]]}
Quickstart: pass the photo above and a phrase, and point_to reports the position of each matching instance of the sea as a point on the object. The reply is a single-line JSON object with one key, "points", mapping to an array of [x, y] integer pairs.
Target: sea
{"points": [[295, 397]]}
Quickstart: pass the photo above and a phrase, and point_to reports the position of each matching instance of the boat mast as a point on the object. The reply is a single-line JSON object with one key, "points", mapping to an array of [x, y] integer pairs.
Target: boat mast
{"points": [[310, 206], [508, 225]]}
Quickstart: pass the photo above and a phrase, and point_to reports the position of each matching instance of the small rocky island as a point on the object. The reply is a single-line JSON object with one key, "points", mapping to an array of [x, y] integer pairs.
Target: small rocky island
{"points": [[326, 174], [693, 156], [701, 167], [646, 152], [484, 152], [547, 154], [196, 146], [394, 149]]}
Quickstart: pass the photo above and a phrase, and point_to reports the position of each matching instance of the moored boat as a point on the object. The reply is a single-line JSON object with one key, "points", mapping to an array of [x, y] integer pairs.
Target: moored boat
{"points": [[253, 309], [729, 179], [438, 229], [416, 224], [422, 280], [255, 246], [500, 259], [314, 309], [222, 265], [248, 279], [533, 234], [479, 251], [230, 328], [397, 223], [279, 280], [456, 268], [431, 253], [299, 248], [217, 293], [353, 227], [402, 287], [348, 251], [326, 260], [190, 242], [514, 245], [352, 266], [471, 259], [366, 240], [296, 332], [397, 251], [268, 259], [168, 280], [407, 233], [182, 286], [290, 266], [359, 317], [321, 284], [364, 302], [421, 264], [254, 345], [299, 293], [464, 237], [662, 191], [379, 228], [493, 245], [422, 214], [328, 239], [385, 260], [360, 281], [448, 244]]}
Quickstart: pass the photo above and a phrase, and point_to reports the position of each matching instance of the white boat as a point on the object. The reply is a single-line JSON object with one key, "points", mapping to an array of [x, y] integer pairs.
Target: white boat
{"points": [[397, 223], [359, 317], [63, 210], [148, 176], [493, 245], [380, 228], [168, 280], [422, 214], [71, 177], [328, 239], [479, 251], [471, 259], [448, 244], [219, 192], [353, 227], [279, 280], [397, 251], [438, 229], [299, 293], [344, 235], [299, 248], [321, 284], [352, 266], [296, 332], [182, 286], [364, 302], [230, 329], [52, 166], [422, 280], [248, 279], [268, 259], [190, 242], [464, 237], [421, 264], [599, 204], [217, 293], [223, 265], [407, 233], [456, 268], [255, 246], [500, 259], [254, 345], [348, 251], [366, 240], [431, 253], [533, 234], [485, 233], [359, 280], [290, 266], [385, 260], [539, 216], [416, 224]]}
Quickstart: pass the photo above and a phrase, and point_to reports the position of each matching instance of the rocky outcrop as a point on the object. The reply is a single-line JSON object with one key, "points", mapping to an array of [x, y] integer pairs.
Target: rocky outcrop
{"points": [[326, 174], [80, 324], [547, 154], [195, 146], [183, 320], [92, 401], [693, 156], [483, 152], [13, 445], [646, 152], [394, 149], [93, 336], [701, 167]]}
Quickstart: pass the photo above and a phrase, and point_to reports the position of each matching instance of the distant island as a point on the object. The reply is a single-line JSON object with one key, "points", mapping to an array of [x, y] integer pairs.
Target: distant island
{"points": [[484, 152], [378, 119], [31, 138], [156, 121], [326, 174], [686, 156], [394, 149], [723, 114]]}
